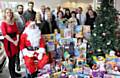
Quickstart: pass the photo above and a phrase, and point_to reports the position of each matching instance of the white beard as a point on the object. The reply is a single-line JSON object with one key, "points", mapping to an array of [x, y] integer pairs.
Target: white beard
{"points": [[33, 35]]}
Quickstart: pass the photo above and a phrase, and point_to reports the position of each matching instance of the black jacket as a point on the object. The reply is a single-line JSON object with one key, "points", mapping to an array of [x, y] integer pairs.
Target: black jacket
{"points": [[29, 15], [46, 28]]}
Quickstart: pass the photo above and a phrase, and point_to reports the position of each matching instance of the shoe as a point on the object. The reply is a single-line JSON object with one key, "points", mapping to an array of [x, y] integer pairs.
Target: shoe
{"points": [[17, 75]]}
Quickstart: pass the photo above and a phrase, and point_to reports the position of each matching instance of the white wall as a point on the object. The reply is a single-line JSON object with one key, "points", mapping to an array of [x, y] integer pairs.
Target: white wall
{"points": [[64, 3], [52, 3], [117, 5]]}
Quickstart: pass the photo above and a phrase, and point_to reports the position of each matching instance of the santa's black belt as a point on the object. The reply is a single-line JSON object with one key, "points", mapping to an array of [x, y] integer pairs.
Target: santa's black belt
{"points": [[32, 48], [12, 35]]}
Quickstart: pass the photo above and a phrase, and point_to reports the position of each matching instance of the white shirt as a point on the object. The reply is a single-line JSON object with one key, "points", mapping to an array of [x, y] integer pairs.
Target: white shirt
{"points": [[45, 16], [81, 18]]}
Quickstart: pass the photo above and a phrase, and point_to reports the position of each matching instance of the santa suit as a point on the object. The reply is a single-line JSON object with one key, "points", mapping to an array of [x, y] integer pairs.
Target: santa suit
{"points": [[32, 46]]}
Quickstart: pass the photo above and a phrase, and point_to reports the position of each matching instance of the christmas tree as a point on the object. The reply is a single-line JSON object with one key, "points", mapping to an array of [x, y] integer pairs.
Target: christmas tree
{"points": [[103, 36]]}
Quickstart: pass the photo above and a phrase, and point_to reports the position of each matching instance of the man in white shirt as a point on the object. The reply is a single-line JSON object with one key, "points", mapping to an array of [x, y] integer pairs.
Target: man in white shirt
{"points": [[80, 16], [43, 13]]}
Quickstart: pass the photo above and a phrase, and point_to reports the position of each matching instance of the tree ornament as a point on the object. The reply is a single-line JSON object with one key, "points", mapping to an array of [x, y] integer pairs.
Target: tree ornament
{"points": [[99, 50], [104, 34], [109, 43], [101, 25], [94, 26], [94, 34], [104, 8]]}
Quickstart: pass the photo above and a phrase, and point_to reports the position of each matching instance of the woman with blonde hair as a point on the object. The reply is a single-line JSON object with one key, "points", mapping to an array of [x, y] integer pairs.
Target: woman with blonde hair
{"points": [[38, 20], [11, 39]]}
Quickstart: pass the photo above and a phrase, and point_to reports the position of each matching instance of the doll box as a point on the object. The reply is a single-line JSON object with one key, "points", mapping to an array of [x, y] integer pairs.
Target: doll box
{"points": [[50, 46], [65, 33], [49, 37]]}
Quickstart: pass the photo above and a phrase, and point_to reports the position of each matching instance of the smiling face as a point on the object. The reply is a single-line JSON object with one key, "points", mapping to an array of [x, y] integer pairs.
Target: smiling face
{"points": [[60, 14], [90, 12], [8, 14]]}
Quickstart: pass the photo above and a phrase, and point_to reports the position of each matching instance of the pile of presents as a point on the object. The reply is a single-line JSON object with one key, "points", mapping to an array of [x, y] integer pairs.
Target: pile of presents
{"points": [[67, 51]]}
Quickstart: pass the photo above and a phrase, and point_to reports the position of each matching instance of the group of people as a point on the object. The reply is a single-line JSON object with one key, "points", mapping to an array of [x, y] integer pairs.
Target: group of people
{"points": [[23, 32]]}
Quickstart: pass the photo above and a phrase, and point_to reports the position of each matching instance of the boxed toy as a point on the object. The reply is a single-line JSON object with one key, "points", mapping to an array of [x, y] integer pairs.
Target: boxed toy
{"points": [[79, 31], [86, 31], [49, 37], [50, 46], [66, 33], [87, 70]]}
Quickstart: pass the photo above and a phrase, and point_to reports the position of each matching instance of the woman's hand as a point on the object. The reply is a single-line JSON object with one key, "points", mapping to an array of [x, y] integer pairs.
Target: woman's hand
{"points": [[15, 43]]}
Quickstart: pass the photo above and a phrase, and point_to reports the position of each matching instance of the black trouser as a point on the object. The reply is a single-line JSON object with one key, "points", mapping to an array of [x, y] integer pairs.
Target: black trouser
{"points": [[18, 61], [11, 66]]}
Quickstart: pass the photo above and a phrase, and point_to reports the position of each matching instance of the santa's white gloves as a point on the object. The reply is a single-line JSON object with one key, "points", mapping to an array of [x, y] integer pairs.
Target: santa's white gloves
{"points": [[40, 56], [28, 53], [41, 51]]}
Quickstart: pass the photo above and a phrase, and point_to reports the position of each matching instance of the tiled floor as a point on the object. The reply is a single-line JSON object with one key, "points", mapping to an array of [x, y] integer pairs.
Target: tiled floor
{"points": [[5, 73]]}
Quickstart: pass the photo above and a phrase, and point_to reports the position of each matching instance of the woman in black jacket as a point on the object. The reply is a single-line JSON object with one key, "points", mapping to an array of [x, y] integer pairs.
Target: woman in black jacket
{"points": [[90, 18]]}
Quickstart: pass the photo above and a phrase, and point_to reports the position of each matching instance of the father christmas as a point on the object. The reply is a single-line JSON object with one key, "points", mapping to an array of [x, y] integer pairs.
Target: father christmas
{"points": [[32, 46]]}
